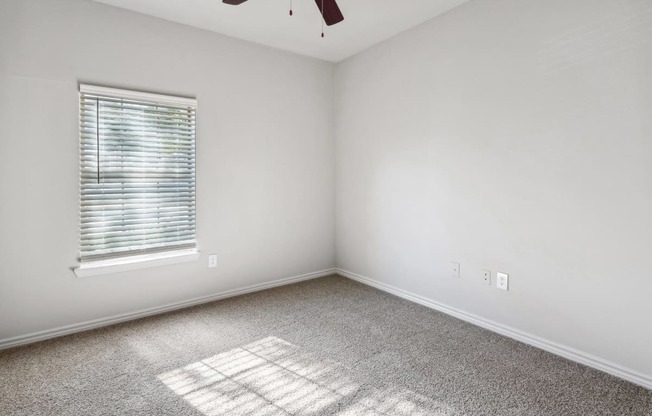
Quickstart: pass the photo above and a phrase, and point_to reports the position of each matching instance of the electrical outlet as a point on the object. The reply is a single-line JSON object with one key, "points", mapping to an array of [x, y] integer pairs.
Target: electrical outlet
{"points": [[486, 277], [212, 261], [455, 270], [502, 281]]}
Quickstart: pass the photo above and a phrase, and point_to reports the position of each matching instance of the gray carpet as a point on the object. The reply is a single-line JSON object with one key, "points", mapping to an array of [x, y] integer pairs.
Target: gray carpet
{"points": [[322, 347]]}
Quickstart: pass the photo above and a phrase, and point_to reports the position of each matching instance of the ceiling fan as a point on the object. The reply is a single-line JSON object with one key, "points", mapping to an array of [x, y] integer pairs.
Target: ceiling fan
{"points": [[328, 8]]}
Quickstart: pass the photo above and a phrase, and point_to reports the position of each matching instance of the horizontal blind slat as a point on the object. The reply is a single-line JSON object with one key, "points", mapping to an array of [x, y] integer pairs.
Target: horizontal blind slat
{"points": [[97, 227], [115, 242], [136, 235]]}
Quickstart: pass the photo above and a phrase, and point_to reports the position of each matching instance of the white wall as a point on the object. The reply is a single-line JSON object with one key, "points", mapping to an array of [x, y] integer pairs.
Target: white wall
{"points": [[264, 158], [511, 135]]}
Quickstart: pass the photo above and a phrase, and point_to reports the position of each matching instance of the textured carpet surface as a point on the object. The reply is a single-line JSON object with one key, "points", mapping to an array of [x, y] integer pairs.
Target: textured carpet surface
{"points": [[322, 347]]}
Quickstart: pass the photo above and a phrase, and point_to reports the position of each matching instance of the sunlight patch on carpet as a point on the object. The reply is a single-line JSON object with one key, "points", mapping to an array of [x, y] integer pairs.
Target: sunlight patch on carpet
{"points": [[274, 377]]}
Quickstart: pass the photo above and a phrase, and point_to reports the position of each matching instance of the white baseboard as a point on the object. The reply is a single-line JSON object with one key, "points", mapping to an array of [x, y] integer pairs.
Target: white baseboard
{"points": [[546, 345], [97, 323]]}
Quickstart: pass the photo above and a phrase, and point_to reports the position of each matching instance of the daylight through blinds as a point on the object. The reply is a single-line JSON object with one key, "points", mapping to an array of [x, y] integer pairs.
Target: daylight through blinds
{"points": [[137, 173]]}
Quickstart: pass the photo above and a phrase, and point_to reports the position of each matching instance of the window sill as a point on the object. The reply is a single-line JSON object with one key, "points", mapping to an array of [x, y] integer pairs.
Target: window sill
{"points": [[101, 267]]}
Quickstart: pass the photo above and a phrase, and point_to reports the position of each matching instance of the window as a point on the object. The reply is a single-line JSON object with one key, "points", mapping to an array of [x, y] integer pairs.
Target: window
{"points": [[137, 161]]}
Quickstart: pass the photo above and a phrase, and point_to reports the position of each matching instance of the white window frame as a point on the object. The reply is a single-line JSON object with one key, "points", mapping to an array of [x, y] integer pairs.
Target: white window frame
{"points": [[134, 262]]}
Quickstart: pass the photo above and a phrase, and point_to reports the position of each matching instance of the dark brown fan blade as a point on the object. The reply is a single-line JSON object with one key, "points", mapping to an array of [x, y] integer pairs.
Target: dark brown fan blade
{"points": [[331, 12], [233, 2]]}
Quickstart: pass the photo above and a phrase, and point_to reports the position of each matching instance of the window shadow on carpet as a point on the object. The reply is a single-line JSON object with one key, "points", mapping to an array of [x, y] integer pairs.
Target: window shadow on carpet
{"points": [[274, 377]]}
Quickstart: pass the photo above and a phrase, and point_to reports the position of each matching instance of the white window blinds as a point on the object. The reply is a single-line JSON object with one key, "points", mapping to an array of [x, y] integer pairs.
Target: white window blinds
{"points": [[137, 173]]}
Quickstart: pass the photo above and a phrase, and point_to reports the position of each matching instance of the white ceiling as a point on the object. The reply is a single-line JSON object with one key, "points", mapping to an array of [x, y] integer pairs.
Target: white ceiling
{"points": [[366, 22]]}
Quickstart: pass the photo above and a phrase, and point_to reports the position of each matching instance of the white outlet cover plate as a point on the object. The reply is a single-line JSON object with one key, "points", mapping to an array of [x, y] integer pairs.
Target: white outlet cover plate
{"points": [[455, 270], [502, 281], [212, 261]]}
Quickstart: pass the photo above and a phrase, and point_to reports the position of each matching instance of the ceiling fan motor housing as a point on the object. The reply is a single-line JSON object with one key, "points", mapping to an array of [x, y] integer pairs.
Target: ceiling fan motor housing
{"points": [[328, 8]]}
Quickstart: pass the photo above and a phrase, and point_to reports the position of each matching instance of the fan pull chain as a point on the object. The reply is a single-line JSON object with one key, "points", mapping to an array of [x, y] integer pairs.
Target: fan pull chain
{"points": [[322, 18], [290, 7]]}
